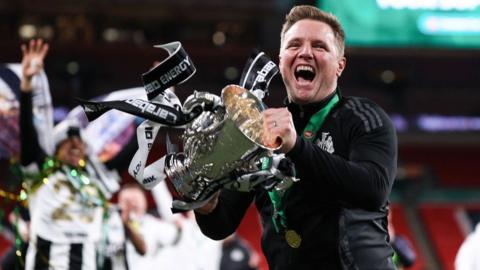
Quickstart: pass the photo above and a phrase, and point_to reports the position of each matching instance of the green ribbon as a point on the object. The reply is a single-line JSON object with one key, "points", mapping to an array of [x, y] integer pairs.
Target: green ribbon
{"points": [[277, 197], [316, 121]]}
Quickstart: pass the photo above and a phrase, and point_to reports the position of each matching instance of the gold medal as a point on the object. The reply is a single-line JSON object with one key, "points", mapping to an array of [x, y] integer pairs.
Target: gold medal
{"points": [[293, 238]]}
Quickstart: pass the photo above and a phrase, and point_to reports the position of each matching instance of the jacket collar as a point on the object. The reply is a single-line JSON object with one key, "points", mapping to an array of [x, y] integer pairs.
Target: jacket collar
{"points": [[310, 108]]}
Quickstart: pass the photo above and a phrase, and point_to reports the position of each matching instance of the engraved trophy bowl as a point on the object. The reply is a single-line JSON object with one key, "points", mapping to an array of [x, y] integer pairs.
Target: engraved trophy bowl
{"points": [[219, 143], [242, 133]]}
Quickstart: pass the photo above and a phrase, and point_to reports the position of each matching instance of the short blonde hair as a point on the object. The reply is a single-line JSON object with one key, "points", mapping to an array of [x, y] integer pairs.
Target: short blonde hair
{"points": [[303, 12]]}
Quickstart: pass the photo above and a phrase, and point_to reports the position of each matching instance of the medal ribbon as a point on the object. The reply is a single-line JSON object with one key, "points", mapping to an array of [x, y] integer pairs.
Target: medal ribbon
{"points": [[316, 121], [277, 197]]}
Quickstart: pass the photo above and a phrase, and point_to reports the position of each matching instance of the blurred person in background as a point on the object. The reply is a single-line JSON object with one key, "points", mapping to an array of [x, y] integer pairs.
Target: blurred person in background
{"points": [[67, 191], [238, 255], [135, 237], [202, 252], [345, 154], [20, 222], [467, 255]]}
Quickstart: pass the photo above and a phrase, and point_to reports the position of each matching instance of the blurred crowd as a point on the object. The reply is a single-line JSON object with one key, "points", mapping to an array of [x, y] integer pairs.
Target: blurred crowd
{"points": [[66, 207]]}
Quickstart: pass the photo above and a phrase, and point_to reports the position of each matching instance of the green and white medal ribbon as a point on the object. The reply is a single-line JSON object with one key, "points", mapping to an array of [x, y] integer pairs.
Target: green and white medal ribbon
{"points": [[278, 197]]}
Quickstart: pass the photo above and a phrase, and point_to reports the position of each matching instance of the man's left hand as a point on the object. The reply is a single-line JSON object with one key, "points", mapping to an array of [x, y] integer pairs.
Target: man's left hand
{"points": [[278, 121]]}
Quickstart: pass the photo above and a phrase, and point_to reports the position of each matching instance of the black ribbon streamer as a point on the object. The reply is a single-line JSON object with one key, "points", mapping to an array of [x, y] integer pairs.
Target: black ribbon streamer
{"points": [[159, 113], [258, 72], [176, 69]]}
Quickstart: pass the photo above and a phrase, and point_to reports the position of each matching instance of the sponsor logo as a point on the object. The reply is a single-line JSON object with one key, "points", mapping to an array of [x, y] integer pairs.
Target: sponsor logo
{"points": [[150, 108], [149, 179], [152, 86], [137, 169], [168, 76], [261, 74]]}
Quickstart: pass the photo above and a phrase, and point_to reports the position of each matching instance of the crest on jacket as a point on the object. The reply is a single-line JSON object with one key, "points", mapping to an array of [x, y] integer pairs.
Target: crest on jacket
{"points": [[326, 143]]}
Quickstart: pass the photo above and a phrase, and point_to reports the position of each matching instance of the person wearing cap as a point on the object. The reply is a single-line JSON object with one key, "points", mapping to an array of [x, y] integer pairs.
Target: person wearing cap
{"points": [[66, 196]]}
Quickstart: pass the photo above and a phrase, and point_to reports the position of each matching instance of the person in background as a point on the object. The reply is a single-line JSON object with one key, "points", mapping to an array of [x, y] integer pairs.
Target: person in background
{"points": [[345, 155], [20, 222], [202, 252], [467, 255], [67, 192], [134, 236], [123, 239], [238, 255]]}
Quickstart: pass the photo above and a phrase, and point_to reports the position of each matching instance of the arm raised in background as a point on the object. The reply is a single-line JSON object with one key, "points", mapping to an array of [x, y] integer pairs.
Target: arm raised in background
{"points": [[33, 55]]}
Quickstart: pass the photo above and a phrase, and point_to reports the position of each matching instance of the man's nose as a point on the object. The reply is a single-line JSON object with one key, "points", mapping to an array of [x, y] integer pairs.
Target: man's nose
{"points": [[306, 51]]}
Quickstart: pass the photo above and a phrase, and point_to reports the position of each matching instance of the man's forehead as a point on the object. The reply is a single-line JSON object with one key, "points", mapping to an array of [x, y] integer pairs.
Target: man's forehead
{"points": [[312, 28], [320, 32]]}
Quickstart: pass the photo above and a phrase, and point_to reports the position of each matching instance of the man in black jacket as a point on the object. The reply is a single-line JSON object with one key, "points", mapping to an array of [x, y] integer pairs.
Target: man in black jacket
{"points": [[345, 153]]}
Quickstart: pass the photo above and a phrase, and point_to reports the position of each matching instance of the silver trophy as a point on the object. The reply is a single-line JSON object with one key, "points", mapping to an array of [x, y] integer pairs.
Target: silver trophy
{"points": [[225, 143], [221, 146]]}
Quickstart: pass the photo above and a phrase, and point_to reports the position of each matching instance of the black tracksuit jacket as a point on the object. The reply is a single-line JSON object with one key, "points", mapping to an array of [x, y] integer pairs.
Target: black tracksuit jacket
{"points": [[340, 205]]}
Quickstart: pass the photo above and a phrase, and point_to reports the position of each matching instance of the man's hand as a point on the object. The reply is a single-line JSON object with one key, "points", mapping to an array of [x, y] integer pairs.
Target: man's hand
{"points": [[210, 206], [279, 123], [132, 229], [33, 55]]}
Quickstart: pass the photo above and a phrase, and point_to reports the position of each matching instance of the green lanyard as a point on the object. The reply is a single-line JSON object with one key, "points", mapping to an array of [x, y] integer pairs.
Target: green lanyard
{"points": [[316, 121], [309, 133]]}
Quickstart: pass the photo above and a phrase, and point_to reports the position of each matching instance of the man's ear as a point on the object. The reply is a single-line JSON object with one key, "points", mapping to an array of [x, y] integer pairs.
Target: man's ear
{"points": [[341, 66]]}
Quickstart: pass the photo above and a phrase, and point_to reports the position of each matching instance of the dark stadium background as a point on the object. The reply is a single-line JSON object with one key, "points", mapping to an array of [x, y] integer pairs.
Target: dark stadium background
{"points": [[98, 46]]}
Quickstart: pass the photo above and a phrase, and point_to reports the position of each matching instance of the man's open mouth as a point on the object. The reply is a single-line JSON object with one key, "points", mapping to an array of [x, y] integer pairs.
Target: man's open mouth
{"points": [[304, 72]]}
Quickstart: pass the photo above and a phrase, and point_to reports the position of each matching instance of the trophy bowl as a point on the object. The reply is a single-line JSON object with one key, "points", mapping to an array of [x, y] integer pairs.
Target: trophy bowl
{"points": [[217, 143]]}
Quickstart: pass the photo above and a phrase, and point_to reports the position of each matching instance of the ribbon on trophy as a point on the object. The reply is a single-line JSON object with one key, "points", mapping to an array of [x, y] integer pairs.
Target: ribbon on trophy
{"points": [[160, 113], [162, 106], [223, 138], [175, 69], [258, 73]]}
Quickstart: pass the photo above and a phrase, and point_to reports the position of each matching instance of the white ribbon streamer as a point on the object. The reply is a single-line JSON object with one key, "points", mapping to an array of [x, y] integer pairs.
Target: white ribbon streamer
{"points": [[149, 176]]}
